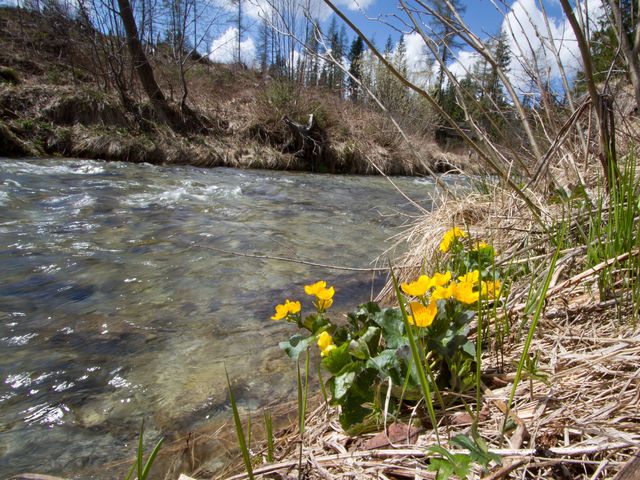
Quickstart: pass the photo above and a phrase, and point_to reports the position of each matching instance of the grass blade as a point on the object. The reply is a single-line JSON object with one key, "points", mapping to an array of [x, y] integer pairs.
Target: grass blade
{"points": [[268, 426], [239, 432], [534, 322], [140, 452], [150, 460], [424, 384]]}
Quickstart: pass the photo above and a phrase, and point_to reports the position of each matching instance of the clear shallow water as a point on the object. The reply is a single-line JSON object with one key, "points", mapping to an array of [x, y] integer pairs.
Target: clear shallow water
{"points": [[110, 310]]}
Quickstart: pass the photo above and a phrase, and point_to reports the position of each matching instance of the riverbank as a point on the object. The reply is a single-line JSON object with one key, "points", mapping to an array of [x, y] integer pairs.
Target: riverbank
{"points": [[573, 410], [51, 106]]}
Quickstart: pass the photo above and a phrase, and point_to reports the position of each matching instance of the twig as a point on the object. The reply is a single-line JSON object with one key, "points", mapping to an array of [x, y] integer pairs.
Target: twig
{"points": [[293, 260], [506, 470], [420, 453], [577, 279]]}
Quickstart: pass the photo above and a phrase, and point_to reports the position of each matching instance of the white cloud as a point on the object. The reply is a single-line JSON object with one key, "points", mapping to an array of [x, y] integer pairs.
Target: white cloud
{"points": [[224, 49], [418, 56], [531, 41], [355, 4], [256, 9], [464, 63]]}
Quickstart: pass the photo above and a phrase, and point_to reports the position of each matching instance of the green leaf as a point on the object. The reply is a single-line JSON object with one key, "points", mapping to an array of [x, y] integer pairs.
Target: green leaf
{"points": [[470, 349], [242, 442], [352, 414], [457, 464], [387, 364], [443, 468], [315, 323], [391, 323], [362, 315], [342, 383], [361, 393], [361, 347], [337, 359], [478, 450], [297, 344], [463, 318]]}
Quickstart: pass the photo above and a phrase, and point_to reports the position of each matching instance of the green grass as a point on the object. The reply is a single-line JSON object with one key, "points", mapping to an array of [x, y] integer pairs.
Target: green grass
{"points": [[143, 468], [242, 442]]}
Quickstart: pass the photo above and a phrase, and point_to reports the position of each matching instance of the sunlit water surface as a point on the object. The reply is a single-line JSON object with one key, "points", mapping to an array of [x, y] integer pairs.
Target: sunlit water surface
{"points": [[112, 308]]}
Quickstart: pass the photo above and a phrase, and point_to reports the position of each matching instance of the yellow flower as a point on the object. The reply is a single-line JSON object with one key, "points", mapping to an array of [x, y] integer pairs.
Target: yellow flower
{"points": [[449, 237], [327, 350], [463, 292], [324, 304], [417, 288], [315, 288], [325, 293], [294, 307], [325, 344], [472, 277], [422, 316], [490, 289], [441, 279], [481, 245], [281, 312], [442, 293], [286, 309], [324, 298]]}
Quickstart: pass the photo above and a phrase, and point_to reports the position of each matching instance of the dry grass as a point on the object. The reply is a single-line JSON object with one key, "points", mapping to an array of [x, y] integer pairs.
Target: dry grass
{"points": [[583, 422]]}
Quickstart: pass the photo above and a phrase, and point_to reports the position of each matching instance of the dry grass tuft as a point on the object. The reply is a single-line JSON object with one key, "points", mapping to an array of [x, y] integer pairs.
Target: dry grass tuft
{"points": [[583, 422]]}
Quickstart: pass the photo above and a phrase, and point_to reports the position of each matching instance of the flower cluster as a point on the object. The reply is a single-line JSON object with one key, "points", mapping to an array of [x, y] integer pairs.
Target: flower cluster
{"points": [[450, 237], [468, 289], [324, 295], [370, 347], [290, 310], [287, 309]]}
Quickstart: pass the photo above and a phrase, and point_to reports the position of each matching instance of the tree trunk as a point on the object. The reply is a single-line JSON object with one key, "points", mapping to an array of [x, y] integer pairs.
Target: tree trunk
{"points": [[143, 68], [600, 103], [631, 53]]}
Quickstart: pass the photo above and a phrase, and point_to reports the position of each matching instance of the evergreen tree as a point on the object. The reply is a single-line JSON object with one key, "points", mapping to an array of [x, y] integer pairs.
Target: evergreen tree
{"points": [[383, 79], [355, 66], [502, 55], [314, 46], [443, 25], [400, 57], [334, 47], [264, 35]]}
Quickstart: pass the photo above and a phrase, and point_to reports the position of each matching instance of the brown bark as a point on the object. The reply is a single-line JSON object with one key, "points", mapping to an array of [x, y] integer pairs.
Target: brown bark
{"points": [[600, 103], [631, 53], [143, 68]]}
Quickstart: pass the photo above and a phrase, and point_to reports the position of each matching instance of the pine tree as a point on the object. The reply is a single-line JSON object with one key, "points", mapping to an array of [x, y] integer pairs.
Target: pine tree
{"points": [[502, 55], [383, 79], [355, 67], [313, 46], [446, 34], [264, 35]]}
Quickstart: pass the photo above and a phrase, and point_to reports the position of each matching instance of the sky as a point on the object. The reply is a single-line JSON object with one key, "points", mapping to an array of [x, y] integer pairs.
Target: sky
{"points": [[521, 20]]}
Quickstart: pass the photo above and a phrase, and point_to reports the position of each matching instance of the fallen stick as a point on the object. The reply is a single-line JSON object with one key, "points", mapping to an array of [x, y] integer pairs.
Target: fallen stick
{"points": [[408, 453]]}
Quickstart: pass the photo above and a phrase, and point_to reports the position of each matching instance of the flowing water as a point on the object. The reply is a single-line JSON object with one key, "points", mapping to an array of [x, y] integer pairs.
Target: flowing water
{"points": [[117, 303]]}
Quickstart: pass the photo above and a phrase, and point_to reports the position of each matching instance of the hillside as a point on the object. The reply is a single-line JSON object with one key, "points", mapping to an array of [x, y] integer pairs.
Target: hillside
{"points": [[52, 103]]}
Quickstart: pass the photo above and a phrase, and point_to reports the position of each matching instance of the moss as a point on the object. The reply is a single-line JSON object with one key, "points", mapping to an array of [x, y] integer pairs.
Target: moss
{"points": [[9, 75]]}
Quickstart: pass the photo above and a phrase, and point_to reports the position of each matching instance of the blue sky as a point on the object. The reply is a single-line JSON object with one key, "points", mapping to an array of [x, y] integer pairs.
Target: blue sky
{"points": [[522, 21]]}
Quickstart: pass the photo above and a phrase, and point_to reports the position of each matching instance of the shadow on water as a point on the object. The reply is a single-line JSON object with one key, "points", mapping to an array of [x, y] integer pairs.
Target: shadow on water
{"points": [[114, 308]]}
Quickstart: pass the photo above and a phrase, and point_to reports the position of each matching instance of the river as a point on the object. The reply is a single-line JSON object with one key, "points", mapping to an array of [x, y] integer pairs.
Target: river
{"points": [[120, 298]]}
